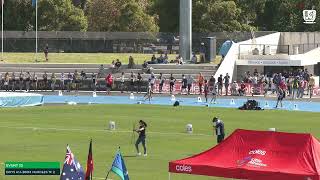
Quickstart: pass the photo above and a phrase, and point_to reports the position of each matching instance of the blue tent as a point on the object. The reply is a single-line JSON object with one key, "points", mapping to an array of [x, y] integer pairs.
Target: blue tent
{"points": [[225, 48]]}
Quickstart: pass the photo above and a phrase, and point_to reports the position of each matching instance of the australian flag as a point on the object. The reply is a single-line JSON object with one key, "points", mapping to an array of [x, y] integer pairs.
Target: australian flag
{"points": [[72, 169]]}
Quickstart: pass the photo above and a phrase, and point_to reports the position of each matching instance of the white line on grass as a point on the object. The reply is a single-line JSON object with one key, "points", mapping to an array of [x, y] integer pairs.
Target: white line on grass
{"points": [[97, 130]]}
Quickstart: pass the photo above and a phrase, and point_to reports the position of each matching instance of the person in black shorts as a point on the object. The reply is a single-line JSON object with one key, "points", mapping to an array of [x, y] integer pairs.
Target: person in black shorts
{"points": [[21, 77], [13, 83], [161, 82], [142, 137], [218, 126], [281, 96], [45, 81], [184, 84], [172, 81], [132, 81]]}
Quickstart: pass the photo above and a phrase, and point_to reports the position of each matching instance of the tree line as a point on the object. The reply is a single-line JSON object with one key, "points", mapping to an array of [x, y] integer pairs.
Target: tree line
{"points": [[159, 15]]}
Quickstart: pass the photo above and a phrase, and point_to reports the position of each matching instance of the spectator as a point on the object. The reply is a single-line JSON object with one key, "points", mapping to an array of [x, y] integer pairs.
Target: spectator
{"points": [[21, 77], [266, 88], [13, 82], [234, 88], [172, 82], [220, 83], [45, 81], [28, 80], [132, 81], [161, 82], [190, 81], [131, 63], [34, 82], [94, 82], [214, 93], [311, 85], [1, 81], [153, 59], [62, 81], [295, 86], [165, 58], [145, 65], [243, 88], [160, 59], [69, 82], [76, 80], [200, 81], [206, 90], [179, 60], [254, 82], [289, 85], [101, 71], [53, 81], [139, 83], [184, 84], [281, 96], [122, 79], [113, 64], [83, 75], [226, 83], [117, 65], [202, 53], [301, 88], [194, 59], [212, 81], [109, 83], [46, 52], [6, 81], [152, 80]]}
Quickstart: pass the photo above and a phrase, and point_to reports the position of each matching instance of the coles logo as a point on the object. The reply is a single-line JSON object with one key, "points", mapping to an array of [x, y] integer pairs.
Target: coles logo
{"points": [[183, 168], [253, 161], [258, 151]]}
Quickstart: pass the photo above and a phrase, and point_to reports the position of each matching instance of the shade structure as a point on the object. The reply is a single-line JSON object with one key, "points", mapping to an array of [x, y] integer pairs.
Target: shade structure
{"points": [[257, 155]]}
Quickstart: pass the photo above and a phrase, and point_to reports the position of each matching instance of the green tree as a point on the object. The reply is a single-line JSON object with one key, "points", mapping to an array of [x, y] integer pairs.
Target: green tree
{"points": [[134, 19], [120, 15], [103, 15], [168, 12], [216, 16], [60, 15], [17, 15], [284, 15]]}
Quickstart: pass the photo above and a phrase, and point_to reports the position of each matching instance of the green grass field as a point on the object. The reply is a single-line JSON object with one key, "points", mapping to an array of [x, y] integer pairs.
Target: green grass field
{"points": [[99, 58], [41, 134]]}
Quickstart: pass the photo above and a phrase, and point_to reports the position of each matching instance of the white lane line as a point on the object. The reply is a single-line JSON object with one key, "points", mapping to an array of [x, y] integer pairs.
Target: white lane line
{"points": [[97, 130]]}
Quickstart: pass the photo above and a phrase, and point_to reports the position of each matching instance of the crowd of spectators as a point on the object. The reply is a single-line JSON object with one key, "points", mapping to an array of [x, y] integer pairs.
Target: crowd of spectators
{"points": [[27, 82], [295, 83]]}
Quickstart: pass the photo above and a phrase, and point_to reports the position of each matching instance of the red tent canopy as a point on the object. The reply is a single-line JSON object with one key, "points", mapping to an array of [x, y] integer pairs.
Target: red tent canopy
{"points": [[261, 155]]}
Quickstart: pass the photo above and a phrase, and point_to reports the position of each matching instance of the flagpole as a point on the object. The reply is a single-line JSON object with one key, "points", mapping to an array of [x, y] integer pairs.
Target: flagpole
{"points": [[36, 30], [107, 175], [2, 30]]}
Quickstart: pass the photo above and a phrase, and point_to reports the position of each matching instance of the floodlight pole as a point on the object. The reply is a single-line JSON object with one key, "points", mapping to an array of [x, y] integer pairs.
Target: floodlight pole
{"points": [[185, 40]]}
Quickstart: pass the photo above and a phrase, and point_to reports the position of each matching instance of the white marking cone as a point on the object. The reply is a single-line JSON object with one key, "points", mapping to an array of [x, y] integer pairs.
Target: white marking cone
{"points": [[232, 102], [94, 94], [60, 93], [173, 98], [295, 107], [131, 96], [199, 100]]}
